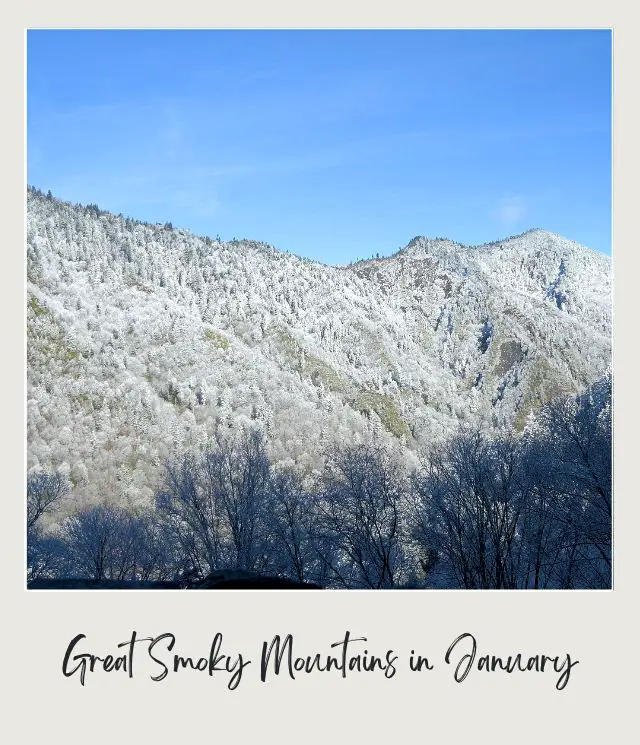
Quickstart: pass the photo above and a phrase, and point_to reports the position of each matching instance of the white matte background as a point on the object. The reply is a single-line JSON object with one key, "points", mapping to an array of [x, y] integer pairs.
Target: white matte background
{"points": [[598, 628]]}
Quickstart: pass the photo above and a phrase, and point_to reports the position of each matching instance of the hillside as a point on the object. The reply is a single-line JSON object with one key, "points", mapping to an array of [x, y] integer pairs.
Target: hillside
{"points": [[144, 340]]}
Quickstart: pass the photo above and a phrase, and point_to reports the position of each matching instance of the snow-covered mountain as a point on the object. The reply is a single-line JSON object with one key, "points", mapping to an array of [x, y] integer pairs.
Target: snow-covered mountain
{"points": [[144, 340]]}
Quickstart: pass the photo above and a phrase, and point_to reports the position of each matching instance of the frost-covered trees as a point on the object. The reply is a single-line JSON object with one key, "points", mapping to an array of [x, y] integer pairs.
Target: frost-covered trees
{"points": [[44, 493], [215, 504], [359, 533], [573, 453], [470, 497], [45, 553], [143, 341], [527, 512]]}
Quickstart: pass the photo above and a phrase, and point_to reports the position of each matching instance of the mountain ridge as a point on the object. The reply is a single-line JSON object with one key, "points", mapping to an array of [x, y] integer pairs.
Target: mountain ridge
{"points": [[144, 340], [263, 245]]}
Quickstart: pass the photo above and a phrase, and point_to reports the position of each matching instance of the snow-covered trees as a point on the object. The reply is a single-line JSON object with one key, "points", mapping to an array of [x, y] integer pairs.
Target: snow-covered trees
{"points": [[527, 512], [106, 542], [522, 511], [216, 504], [149, 346], [45, 553], [44, 493], [358, 532], [143, 341]]}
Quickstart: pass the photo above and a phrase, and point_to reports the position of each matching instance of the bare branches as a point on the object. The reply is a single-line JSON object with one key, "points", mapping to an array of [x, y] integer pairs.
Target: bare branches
{"points": [[215, 504], [520, 511], [44, 492], [533, 511], [359, 517]]}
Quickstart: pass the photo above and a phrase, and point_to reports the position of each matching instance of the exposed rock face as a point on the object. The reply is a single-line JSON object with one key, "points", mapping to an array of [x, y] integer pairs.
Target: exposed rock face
{"points": [[144, 341]]}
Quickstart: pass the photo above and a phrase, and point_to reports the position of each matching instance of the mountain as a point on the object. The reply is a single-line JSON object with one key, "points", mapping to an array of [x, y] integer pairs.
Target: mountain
{"points": [[143, 341]]}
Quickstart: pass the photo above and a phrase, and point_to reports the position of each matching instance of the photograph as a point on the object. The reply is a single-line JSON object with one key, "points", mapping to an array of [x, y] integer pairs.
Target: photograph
{"points": [[318, 309]]}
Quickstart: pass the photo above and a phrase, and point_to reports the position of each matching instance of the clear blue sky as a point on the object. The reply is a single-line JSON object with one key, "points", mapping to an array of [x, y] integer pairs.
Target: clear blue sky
{"points": [[329, 144]]}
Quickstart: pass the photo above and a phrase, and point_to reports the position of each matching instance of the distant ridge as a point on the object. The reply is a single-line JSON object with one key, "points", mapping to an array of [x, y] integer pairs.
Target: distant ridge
{"points": [[144, 340]]}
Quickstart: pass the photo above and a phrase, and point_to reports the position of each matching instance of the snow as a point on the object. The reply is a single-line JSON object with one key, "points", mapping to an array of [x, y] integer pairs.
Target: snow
{"points": [[145, 340]]}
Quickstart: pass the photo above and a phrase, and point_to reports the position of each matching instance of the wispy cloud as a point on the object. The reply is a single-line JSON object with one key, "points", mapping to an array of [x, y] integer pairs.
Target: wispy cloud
{"points": [[510, 210]]}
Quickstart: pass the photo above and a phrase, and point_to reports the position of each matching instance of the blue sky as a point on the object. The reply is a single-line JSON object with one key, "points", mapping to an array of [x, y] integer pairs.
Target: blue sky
{"points": [[331, 144]]}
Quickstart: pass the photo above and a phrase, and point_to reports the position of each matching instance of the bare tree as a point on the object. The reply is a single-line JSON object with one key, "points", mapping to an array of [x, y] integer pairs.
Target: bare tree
{"points": [[216, 505], [152, 550], [44, 492], [468, 502], [523, 512], [46, 554], [359, 533], [191, 513], [292, 524], [102, 543], [239, 472], [574, 451]]}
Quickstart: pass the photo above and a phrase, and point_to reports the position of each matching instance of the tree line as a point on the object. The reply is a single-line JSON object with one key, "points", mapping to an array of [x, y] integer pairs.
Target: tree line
{"points": [[528, 510]]}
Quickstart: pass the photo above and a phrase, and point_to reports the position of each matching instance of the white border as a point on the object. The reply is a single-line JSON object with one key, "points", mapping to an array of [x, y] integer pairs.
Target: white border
{"points": [[594, 626]]}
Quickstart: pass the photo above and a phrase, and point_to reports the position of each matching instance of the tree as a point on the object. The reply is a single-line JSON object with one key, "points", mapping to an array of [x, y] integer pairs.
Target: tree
{"points": [[531, 511], [216, 504], [469, 498], [47, 556], [44, 493], [572, 439], [188, 508], [292, 524], [239, 472], [359, 535], [101, 543]]}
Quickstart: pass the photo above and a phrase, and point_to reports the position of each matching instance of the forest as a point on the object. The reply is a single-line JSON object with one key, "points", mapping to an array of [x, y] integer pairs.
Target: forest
{"points": [[526, 510]]}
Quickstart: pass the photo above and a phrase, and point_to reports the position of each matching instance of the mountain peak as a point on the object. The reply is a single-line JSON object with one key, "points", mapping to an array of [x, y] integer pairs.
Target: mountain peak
{"points": [[142, 329]]}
